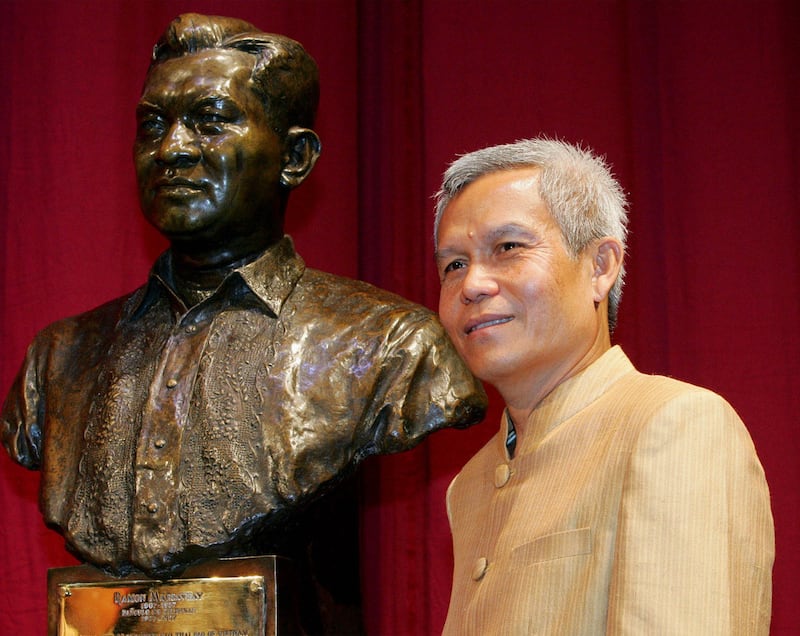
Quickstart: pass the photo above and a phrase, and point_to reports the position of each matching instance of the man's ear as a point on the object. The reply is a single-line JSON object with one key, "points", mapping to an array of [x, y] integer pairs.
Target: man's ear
{"points": [[607, 261], [302, 151]]}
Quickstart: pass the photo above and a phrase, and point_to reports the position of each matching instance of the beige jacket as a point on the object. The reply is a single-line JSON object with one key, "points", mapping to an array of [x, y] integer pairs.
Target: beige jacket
{"points": [[634, 504]]}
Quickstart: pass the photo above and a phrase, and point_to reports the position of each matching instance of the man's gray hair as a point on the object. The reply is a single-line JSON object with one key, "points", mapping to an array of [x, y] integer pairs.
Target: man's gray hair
{"points": [[576, 185]]}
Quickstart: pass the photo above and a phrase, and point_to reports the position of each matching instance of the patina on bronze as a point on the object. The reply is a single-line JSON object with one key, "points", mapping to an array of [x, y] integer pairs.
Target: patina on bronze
{"points": [[219, 409]]}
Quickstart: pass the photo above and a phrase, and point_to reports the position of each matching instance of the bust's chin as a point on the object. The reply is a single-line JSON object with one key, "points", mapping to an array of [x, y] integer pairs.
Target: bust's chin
{"points": [[180, 220]]}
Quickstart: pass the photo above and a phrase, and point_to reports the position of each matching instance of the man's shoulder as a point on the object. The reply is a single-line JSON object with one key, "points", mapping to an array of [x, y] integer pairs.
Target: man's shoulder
{"points": [[654, 402], [625, 382], [660, 389]]}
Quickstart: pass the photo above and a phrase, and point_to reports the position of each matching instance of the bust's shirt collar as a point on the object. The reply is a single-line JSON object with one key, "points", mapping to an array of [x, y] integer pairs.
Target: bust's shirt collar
{"points": [[269, 280]]}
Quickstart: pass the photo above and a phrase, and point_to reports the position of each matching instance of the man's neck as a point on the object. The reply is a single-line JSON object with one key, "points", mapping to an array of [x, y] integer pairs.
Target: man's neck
{"points": [[522, 397]]}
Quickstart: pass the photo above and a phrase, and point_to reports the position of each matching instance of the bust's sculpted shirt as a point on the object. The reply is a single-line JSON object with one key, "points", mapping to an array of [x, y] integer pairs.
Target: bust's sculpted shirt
{"points": [[165, 433]]}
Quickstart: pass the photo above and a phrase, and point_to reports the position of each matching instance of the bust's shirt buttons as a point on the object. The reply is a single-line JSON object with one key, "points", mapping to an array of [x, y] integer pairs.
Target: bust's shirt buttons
{"points": [[479, 569], [501, 475]]}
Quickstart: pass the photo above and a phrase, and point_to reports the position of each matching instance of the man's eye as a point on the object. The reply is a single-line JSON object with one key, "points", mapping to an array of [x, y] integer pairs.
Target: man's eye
{"points": [[453, 266]]}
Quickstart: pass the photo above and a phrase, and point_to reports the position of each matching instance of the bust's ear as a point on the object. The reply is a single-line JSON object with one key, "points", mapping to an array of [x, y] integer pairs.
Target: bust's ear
{"points": [[302, 150], [606, 259]]}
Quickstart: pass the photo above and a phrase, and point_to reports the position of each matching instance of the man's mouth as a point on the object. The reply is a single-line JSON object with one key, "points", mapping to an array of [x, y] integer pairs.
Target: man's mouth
{"points": [[483, 323]]}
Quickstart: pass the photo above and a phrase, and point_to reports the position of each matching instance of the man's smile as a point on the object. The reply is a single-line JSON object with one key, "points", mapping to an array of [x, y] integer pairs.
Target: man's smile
{"points": [[485, 321]]}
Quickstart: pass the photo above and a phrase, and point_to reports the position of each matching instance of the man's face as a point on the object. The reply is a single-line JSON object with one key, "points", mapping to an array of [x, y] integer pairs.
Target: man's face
{"points": [[207, 161], [518, 307]]}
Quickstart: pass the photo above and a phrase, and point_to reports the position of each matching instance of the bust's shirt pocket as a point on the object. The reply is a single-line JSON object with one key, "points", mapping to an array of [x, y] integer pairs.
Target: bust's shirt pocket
{"points": [[549, 547]]}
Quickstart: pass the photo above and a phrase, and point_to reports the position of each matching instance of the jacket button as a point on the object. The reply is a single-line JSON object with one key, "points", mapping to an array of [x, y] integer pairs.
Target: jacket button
{"points": [[501, 475], [480, 569]]}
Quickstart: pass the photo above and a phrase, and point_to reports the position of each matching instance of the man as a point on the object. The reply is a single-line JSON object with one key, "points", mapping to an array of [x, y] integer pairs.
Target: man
{"points": [[201, 415], [609, 502]]}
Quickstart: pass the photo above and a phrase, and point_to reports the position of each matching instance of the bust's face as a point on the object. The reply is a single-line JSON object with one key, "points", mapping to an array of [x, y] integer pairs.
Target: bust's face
{"points": [[207, 161]]}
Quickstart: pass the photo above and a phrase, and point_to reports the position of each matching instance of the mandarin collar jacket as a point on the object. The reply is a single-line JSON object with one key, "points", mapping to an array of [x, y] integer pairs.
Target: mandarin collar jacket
{"points": [[634, 504]]}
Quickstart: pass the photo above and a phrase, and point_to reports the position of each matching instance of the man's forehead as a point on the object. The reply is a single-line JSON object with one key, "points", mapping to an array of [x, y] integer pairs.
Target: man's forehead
{"points": [[497, 200]]}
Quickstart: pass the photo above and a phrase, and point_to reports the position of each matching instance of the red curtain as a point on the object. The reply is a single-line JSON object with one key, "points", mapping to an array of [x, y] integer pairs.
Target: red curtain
{"points": [[695, 104]]}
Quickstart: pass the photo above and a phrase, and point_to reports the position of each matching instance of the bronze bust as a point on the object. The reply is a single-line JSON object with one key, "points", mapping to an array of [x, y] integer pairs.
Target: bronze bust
{"points": [[204, 413]]}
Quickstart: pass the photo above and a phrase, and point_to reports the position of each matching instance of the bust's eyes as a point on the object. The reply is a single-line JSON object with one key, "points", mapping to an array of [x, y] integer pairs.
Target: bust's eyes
{"points": [[151, 125], [207, 117], [211, 115], [211, 122]]}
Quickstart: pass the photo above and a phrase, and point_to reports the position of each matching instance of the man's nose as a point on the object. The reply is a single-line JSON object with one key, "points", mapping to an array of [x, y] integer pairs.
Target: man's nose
{"points": [[478, 284], [179, 146]]}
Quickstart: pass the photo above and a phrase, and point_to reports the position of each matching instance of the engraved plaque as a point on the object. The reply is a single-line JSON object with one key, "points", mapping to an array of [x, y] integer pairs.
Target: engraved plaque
{"points": [[223, 606], [226, 597]]}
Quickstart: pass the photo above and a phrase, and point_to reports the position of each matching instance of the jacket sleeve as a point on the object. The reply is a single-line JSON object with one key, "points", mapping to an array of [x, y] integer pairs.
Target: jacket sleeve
{"points": [[695, 544]]}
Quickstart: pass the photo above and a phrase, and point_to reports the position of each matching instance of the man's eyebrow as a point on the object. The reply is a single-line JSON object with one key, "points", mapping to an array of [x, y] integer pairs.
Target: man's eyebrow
{"points": [[507, 229], [444, 253]]}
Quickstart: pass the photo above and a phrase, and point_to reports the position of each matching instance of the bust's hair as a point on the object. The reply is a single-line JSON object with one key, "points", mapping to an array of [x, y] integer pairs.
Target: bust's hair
{"points": [[576, 185], [285, 76]]}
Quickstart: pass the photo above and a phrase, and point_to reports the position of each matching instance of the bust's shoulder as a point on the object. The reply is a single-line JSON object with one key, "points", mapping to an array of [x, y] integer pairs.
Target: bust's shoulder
{"points": [[348, 306], [325, 288], [99, 320]]}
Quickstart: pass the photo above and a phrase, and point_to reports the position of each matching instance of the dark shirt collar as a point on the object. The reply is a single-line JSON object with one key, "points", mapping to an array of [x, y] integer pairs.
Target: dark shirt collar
{"points": [[511, 435], [270, 279]]}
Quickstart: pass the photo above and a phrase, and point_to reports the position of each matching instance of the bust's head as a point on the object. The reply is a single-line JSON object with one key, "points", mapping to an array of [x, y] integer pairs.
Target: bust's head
{"points": [[224, 132]]}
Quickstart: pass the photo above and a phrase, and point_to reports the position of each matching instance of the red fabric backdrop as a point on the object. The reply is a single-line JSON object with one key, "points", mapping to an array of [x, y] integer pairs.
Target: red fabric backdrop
{"points": [[694, 103]]}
